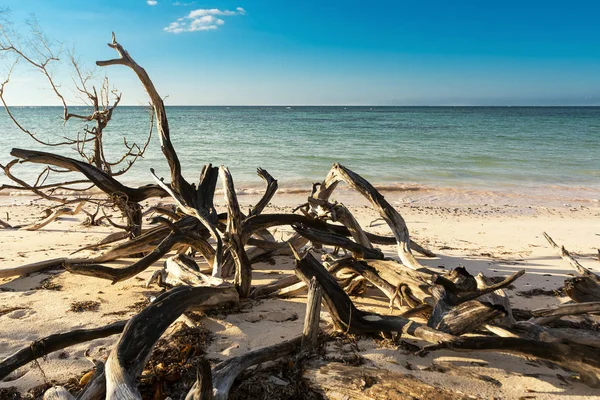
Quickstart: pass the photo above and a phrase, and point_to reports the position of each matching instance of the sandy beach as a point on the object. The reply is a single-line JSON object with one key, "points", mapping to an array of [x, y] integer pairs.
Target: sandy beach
{"points": [[497, 238]]}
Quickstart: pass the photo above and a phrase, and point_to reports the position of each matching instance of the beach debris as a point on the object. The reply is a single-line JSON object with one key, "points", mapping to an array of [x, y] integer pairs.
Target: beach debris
{"points": [[82, 306]]}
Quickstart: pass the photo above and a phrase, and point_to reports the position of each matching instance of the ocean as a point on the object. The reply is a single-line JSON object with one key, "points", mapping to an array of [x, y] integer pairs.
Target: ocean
{"points": [[546, 150]]}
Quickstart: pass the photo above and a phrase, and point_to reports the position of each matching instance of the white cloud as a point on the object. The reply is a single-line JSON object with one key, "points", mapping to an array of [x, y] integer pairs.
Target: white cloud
{"points": [[152, 2], [202, 19]]}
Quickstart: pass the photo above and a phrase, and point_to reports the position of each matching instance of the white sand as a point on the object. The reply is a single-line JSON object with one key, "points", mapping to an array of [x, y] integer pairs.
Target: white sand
{"points": [[497, 239]]}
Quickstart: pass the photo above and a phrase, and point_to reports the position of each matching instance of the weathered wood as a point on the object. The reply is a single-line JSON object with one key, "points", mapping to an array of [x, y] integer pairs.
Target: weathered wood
{"points": [[582, 359], [497, 297], [567, 309], [225, 373], [332, 239], [203, 388], [269, 288], [574, 263], [347, 318], [101, 179], [462, 318], [391, 216], [394, 293], [53, 216], [234, 239], [127, 359], [58, 393], [339, 381], [183, 270], [269, 191], [582, 289], [119, 274], [42, 347], [310, 333], [463, 296], [533, 331]]}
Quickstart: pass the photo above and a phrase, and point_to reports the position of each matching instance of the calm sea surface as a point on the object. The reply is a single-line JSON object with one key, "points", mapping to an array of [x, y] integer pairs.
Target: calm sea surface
{"points": [[487, 148]]}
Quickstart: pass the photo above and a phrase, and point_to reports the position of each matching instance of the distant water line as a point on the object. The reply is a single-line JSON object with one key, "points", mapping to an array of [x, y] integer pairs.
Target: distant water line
{"points": [[471, 148]]}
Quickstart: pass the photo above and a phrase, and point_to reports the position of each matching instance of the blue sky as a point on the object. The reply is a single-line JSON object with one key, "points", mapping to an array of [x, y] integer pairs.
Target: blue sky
{"points": [[284, 52]]}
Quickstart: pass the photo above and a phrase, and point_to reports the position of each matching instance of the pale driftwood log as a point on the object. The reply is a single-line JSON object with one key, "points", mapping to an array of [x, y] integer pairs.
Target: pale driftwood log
{"points": [[273, 287], [32, 267], [462, 318], [574, 263], [52, 343], [5, 225], [126, 361], [183, 270], [310, 333], [533, 331], [58, 393], [225, 373], [53, 216], [339, 381], [567, 309], [144, 243], [582, 289]]}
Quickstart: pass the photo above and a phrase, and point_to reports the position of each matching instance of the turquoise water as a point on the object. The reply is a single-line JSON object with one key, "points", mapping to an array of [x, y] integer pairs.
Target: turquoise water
{"points": [[463, 147]]}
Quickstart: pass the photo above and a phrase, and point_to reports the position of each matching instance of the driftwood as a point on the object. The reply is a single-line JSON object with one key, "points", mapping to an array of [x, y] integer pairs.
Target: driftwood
{"points": [[225, 373], [567, 309], [310, 333], [572, 261], [53, 216], [346, 317], [462, 318], [183, 270], [58, 393], [202, 389], [127, 359], [582, 289], [59, 341], [339, 381]]}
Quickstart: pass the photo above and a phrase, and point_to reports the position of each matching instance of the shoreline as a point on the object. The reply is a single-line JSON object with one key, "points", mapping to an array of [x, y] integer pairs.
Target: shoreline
{"points": [[407, 193]]}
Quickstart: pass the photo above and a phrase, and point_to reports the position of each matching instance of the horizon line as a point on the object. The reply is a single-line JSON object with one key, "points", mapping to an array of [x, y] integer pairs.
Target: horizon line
{"points": [[326, 105]]}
